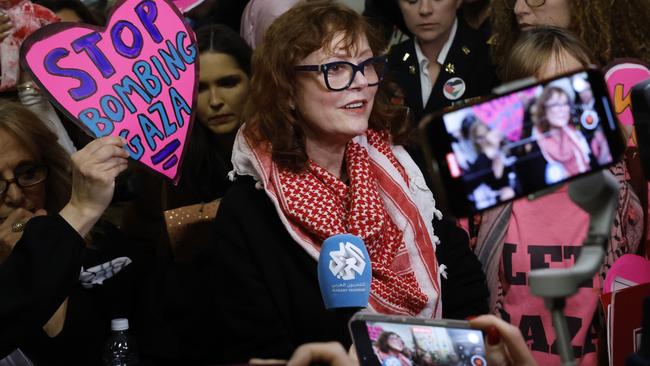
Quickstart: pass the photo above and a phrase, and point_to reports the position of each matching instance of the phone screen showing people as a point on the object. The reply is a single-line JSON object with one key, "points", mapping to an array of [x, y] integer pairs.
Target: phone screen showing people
{"points": [[522, 142], [396, 344]]}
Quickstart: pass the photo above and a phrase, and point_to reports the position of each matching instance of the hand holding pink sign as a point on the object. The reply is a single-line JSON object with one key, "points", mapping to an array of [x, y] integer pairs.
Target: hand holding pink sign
{"points": [[136, 78]]}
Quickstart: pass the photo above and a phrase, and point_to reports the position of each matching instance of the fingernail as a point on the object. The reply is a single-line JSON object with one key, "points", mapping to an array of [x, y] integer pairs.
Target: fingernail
{"points": [[493, 336], [470, 317]]}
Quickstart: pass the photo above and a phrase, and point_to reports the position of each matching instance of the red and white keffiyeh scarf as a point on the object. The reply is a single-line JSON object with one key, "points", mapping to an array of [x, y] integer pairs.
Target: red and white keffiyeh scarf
{"points": [[386, 203]]}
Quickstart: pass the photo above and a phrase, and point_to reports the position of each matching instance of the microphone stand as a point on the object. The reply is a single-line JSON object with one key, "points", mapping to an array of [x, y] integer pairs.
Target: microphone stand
{"points": [[597, 194]]}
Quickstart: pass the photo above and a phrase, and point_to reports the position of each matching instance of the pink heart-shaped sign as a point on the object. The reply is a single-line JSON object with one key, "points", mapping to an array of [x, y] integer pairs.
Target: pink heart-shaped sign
{"points": [[136, 78]]}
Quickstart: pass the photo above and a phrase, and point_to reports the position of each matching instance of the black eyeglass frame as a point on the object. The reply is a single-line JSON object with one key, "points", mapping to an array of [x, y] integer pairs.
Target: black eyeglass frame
{"points": [[324, 68], [16, 178], [508, 2]]}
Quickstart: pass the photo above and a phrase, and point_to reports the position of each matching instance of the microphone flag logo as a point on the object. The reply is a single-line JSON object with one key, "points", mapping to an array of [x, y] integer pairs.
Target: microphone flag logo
{"points": [[347, 261], [344, 272]]}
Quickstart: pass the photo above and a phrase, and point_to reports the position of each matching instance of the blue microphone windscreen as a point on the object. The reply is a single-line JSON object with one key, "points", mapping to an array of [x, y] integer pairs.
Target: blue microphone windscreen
{"points": [[344, 272]]}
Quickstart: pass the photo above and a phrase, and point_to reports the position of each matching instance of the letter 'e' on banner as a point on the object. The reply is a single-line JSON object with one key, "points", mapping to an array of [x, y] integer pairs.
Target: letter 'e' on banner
{"points": [[136, 78]]}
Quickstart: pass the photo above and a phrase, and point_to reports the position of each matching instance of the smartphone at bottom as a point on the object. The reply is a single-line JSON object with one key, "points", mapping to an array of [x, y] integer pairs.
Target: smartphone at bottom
{"points": [[406, 341]]}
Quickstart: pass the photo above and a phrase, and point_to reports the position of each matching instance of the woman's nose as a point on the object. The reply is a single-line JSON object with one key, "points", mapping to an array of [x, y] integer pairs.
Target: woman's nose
{"points": [[359, 81], [14, 195], [426, 8], [216, 102], [521, 8]]}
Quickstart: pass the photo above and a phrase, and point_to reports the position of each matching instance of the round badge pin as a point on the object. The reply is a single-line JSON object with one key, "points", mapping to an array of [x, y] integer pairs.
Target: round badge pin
{"points": [[454, 88], [589, 119]]}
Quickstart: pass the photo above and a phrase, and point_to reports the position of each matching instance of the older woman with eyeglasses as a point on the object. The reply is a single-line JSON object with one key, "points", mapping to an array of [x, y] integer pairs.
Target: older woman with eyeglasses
{"points": [[47, 278], [612, 29], [315, 158]]}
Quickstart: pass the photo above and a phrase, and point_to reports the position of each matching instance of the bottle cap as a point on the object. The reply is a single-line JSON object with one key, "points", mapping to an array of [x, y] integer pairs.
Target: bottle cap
{"points": [[119, 324]]}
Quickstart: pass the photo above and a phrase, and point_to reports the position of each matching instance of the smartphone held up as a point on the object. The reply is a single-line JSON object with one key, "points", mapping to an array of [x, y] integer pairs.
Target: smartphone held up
{"points": [[406, 341], [521, 142]]}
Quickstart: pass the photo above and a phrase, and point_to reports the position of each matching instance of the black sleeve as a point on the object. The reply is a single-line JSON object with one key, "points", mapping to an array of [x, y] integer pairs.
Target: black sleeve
{"points": [[464, 291], [36, 277], [251, 323]]}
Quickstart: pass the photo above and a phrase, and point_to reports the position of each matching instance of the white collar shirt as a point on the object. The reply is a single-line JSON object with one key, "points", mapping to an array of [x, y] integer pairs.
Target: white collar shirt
{"points": [[426, 85]]}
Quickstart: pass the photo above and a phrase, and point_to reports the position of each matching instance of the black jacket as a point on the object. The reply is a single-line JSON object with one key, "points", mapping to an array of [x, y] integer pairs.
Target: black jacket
{"points": [[35, 279], [44, 268], [468, 59], [266, 285]]}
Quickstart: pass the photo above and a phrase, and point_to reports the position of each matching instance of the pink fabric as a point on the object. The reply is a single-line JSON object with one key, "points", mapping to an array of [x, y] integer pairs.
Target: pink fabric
{"points": [[27, 18], [553, 226], [630, 267], [544, 233], [258, 16]]}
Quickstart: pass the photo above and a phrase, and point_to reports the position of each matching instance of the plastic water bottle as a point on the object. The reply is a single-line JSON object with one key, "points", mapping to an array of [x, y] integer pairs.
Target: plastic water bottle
{"points": [[120, 348]]}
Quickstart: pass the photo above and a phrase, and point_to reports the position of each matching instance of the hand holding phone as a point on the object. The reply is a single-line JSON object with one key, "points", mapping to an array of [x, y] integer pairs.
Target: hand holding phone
{"points": [[406, 341], [510, 348]]}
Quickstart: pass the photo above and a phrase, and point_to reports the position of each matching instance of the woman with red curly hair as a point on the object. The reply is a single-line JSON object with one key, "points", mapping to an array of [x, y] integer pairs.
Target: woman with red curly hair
{"points": [[612, 29], [315, 158]]}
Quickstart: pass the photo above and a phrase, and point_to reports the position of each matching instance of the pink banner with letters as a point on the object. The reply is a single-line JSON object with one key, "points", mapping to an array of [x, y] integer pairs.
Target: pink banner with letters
{"points": [[136, 78]]}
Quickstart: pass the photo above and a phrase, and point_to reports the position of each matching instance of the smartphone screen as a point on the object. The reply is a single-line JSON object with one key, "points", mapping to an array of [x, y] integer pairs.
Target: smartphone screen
{"points": [[524, 141], [403, 344]]}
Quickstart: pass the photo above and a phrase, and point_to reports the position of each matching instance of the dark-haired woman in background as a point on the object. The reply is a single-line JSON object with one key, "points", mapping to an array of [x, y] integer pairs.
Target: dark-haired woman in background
{"points": [[224, 59]]}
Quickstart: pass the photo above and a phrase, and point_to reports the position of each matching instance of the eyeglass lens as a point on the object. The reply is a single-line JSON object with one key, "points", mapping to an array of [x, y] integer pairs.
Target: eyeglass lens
{"points": [[510, 4], [340, 75], [25, 177]]}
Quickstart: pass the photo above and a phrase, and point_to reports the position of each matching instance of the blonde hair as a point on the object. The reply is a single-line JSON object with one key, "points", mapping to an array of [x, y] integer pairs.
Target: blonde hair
{"points": [[30, 132], [539, 45]]}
